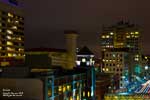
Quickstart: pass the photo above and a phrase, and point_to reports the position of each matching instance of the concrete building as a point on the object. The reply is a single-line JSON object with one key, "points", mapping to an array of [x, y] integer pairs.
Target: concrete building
{"points": [[121, 43], [11, 32]]}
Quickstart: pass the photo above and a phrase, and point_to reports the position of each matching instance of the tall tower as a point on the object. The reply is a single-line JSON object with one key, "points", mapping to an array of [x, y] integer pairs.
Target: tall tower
{"points": [[71, 43], [11, 32], [121, 50]]}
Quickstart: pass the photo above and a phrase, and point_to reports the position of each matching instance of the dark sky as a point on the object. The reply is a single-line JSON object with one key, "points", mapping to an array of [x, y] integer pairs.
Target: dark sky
{"points": [[47, 19]]}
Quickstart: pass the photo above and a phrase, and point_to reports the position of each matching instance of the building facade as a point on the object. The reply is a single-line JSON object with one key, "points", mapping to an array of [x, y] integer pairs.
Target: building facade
{"points": [[11, 32], [121, 43]]}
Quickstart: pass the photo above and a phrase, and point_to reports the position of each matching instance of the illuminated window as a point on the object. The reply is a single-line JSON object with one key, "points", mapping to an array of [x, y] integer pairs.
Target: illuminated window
{"points": [[103, 69], [14, 27], [14, 55], [20, 49], [9, 43], [0, 24], [8, 20], [10, 54], [83, 60], [131, 33], [78, 98], [10, 15], [128, 36], [136, 32], [111, 33], [107, 36], [8, 37], [9, 32], [107, 69], [88, 63], [83, 93], [68, 87], [0, 30], [64, 88], [19, 38], [103, 36], [88, 93], [59, 88], [16, 21], [49, 93], [78, 63]]}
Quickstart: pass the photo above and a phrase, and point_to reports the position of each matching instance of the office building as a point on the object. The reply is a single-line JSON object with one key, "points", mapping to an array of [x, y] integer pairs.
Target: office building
{"points": [[121, 51], [11, 32]]}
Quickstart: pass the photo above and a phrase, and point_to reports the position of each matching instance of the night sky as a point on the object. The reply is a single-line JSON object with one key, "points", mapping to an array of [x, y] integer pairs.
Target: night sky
{"points": [[47, 19]]}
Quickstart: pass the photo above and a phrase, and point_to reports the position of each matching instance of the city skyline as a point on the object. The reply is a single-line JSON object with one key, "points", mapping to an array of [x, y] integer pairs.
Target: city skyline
{"points": [[47, 20]]}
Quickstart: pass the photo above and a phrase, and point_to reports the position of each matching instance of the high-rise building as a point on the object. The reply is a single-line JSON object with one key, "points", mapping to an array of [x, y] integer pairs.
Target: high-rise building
{"points": [[11, 32], [121, 51]]}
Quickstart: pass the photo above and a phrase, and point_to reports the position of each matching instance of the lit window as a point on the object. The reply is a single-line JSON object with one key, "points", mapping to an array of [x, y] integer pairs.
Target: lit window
{"points": [[0, 30], [136, 32], [103, 60], [128, 36], [16, 22], [83, 60], [78, 63], [107, 69], [103, 36], [20, 49], [0, 24], [9, 32], [14, 55], [10, 15], [111, 33], [103, 69], [132, 33], [8, 37], [59, 88], [49, 92], [9, 43], [64, 88], [8, 20], [68, 87], [14, 27], [87, 63], [19, 38], [136, 59], [10, 54], [107, 36], [88, 93]]}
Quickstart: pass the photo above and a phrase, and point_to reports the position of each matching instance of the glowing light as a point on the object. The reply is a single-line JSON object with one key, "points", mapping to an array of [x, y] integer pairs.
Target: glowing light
{"points": [[9, 43], [9, 32], [10, 15], [10, 54], [107, 69], [107, 36], [83, 60], [103, 36], [146, 67], [8, 37], [88, 94], [83, 94], [14, 27], [128, 36], [132, 33], [78, 63], [136, 32], [111, 33]]}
